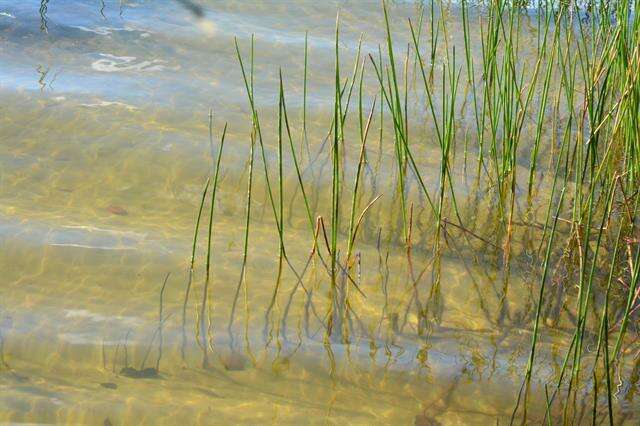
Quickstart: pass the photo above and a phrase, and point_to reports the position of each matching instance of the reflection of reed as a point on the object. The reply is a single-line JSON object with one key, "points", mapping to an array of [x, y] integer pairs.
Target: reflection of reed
{"points": [[3, 361], [44, 4]]}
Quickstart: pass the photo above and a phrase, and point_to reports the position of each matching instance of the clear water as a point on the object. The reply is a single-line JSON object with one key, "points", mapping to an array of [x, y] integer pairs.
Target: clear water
{"points": [[104, 151]]}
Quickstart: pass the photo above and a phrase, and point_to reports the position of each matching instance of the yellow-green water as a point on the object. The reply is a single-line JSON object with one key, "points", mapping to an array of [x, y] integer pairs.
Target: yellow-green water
{"points": [[104, 151]]}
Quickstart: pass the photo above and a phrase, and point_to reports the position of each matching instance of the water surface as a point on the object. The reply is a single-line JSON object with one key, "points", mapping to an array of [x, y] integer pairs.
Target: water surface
{"points": [[104, 151]]}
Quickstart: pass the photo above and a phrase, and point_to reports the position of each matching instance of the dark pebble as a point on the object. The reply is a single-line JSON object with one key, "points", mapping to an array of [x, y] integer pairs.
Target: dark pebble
{"points": [[145, 373], [109, 385]]}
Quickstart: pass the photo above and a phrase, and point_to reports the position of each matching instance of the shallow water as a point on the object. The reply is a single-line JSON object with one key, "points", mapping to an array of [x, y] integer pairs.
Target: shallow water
{"points": [[104, 151]]}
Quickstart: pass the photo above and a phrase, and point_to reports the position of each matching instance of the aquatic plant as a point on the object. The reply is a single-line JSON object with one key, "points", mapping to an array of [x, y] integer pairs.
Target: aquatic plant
{"points": [[572, 219]]}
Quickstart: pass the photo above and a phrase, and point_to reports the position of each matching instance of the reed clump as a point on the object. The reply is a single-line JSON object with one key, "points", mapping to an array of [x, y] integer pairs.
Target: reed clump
{"points": [[531, 161]]}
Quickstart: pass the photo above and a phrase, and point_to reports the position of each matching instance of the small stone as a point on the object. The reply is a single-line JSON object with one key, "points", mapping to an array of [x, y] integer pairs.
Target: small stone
{"points": [[109, 385], [145, 373], [117, 210], [234, 362]]}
